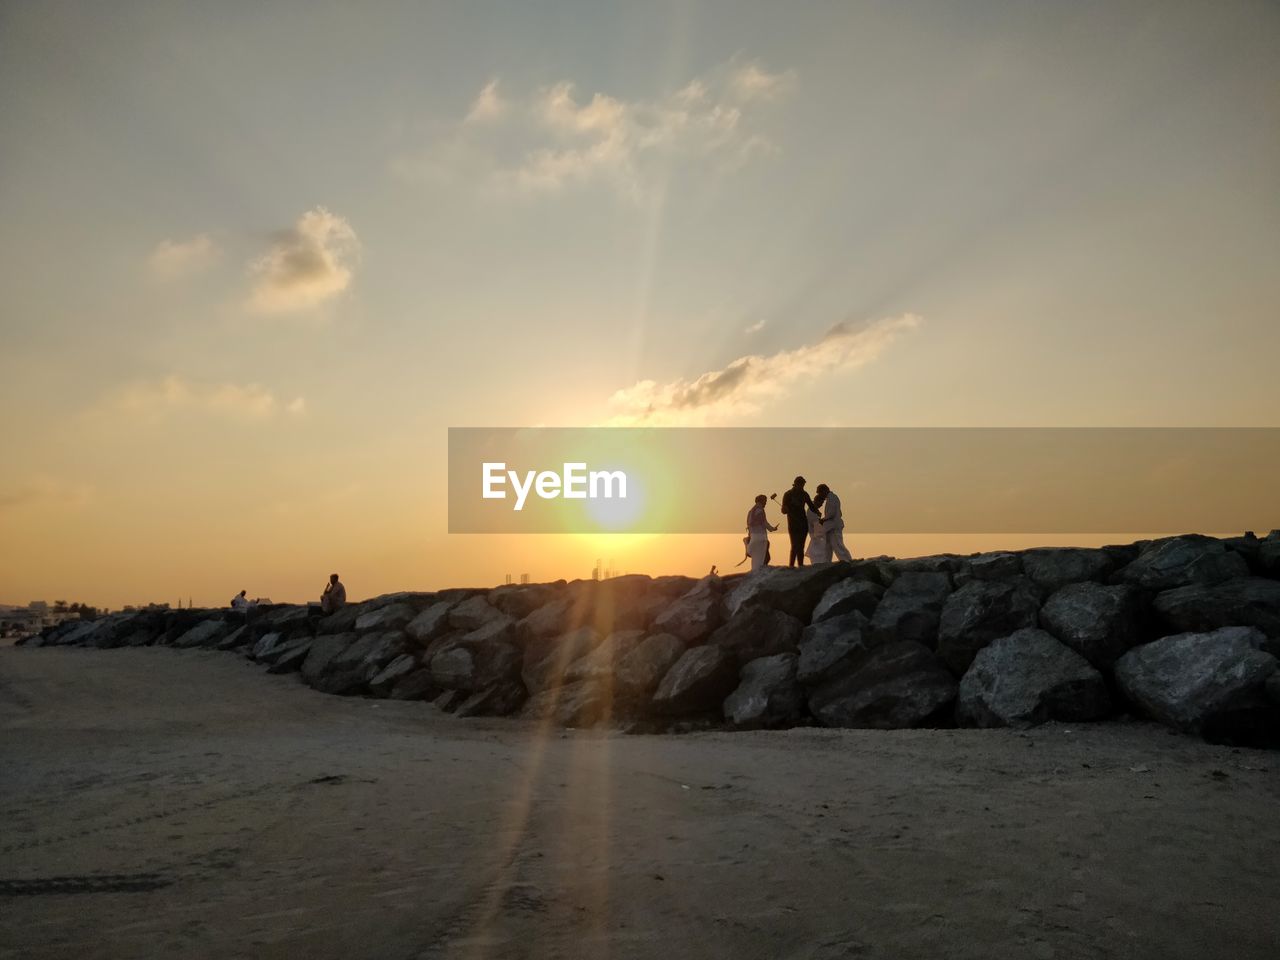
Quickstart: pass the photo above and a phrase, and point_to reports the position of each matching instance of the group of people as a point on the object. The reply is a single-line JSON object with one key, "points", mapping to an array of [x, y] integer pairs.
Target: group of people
{"points": [[817, 519], [333, 599]]}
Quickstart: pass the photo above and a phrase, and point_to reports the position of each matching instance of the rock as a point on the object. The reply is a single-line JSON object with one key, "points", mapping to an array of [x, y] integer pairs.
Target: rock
{"points": [[265, 646], [1028, 678], [549, 620], [947, 563], [1054, 567], [847, 596], [1268, 558], [694, 615], [619, 603], [203, 634], [1000, 565], [756, 631], [288, 620], [1272, 688], [641, 670], [323, 650], [602, 662], [417, 685], [767, 694], [385, 679], [546, 660], [343, 621], [1179, 561], [291, 655], [978, 613], [474, 613], [236, 638], [392, 616], [901, 684], [472, 666], [501, 630], [1100, 623], [827, 646], [582, 704], [430, 624], [449, 700], [359, 662], [517, 602], [499, 699], [911, 608], [1250, 602], [696, 683], [1186, 679], [791, 590]]}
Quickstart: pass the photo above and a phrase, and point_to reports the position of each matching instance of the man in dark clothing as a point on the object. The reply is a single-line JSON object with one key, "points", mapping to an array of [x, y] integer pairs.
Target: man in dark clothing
{"points": [[794, 504]]}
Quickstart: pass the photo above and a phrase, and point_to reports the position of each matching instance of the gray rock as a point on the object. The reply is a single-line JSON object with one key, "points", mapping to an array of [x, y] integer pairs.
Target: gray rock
{"points": [[848, 596], [1028, 678], [384, 681], [203, 634], [546, 659], [392, 616], [1054, 567], [517, 602], [1001, 565], [791, 590], [641, 670], [501, 630], [500, 699], [756, 631], [323, 650], [696, 683], [430, 624], [1101, 623], [978, 613], [266, 645], [694, 615], [1179, 561], [549, 620], [767, 694], [1268, 558], [450, 700], [356, 664], [586, 703], [911, 608], [471, 667], [901, 684], [236, 638], [291, 655], [1186, 679], [343, 621], [602, 662], [417, 685], [828, 646], [474, 613], [1251, 602]]}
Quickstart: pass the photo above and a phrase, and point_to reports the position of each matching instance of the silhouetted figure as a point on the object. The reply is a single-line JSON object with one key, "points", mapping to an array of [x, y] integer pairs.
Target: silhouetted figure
{"points": [[240, 601], [795, 504], [833, 523], [334, 597], [818, 551], [757, 539]]}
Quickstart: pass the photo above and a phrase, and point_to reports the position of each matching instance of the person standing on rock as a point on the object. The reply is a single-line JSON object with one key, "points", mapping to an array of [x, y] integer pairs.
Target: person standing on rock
{"points": [[758, 528], [334, 597], [818, 551], [833, 523], [795, 504]]}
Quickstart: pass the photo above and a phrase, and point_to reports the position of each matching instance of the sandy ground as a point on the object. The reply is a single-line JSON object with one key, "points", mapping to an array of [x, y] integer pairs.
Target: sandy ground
{"points": [[273, 821]]}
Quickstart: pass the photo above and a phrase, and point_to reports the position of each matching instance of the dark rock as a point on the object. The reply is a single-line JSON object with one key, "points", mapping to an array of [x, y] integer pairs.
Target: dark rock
{"points": [[828, 646], [417, 685], [947, 563], [1054, 567], [499, 699], [204, 634], [450, 700], [359, 662], [696, 683], [1000, 565], [1179, 561], [1272, 689], [430, 624], [582, 704], [291, 655], [982, 611], [549, 620], [901, 684], [767, 694], [848, 596], [392, 616], [911, 608], [1186, 679], [265, 646], [501, 630], [694, 615], [323, 650], [1028, 678], [517, 602], [756, 631], [472, 666], [602, 663], [1251, 602], [1256, 726], [382, 683], [474, 613], [342, 621], [1100, 623], [288, 620], [1268, 558], [546, 659], [236, 638], [791, 590], [641, 670]]}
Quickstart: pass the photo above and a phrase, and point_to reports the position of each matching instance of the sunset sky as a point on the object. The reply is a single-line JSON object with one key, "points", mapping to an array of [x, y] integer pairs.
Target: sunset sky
{"points": [[255, 259]]}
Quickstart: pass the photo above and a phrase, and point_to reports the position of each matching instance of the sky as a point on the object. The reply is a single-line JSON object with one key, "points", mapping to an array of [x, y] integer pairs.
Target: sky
{"points": [[256, 259]]}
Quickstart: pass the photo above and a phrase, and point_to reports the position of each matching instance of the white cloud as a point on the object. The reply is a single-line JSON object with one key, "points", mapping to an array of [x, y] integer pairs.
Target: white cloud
{"points": [[173, 259], [741, 387], [755, 327], [306, 265], [554, 137], [155, 399]]}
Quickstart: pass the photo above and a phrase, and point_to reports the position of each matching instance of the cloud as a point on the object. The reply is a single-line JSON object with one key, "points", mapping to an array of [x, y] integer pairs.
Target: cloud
{"points": [[173, 259], [553, 138], [156, 399], [741, 387], [307, 264], [41, 490], [755, 327]]}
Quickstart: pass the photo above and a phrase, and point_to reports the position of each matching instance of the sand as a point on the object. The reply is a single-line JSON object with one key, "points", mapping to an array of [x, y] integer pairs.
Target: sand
{"points": [[244, 815]]}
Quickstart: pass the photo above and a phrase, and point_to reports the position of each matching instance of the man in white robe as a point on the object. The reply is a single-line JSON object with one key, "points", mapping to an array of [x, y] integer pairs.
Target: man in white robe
{"points": [[833, 523]]}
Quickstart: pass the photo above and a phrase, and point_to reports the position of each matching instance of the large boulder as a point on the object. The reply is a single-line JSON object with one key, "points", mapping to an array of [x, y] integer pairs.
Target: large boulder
{"points": [[1251, 602], [581, 704], [1179, 561], [341, 621], [291, 655], [791, 590], [848, 596], [694, 615], [1028, 678], [696, 683], [288, 620], [203, 634], [602, 663], [475, 613], [470, 666], [322, 653], [901, 684], [417, 685], [499, 699], [1051, 568], [755, 632], [431, 624], [1000, 565], [547, 659], [767, 694], [265, 647], [642, 668], [1101, 623], [1186, 679], [911, 608], [978, 613], [549, 620], [829, 646], [384, 681], [360, 662], [518, 601], [392, 616]]}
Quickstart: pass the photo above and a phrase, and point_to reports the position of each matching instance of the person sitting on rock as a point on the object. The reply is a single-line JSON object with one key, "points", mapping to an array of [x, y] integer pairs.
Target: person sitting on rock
{"points": [[240, 601], [334, 597]]}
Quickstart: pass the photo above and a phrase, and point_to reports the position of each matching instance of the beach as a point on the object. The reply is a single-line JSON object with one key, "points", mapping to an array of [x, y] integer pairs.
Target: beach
{"points": [[181, 803]]}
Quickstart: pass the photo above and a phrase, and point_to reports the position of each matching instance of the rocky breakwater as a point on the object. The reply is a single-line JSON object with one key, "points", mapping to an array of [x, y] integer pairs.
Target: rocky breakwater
{"points": [[1183, 630]]}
